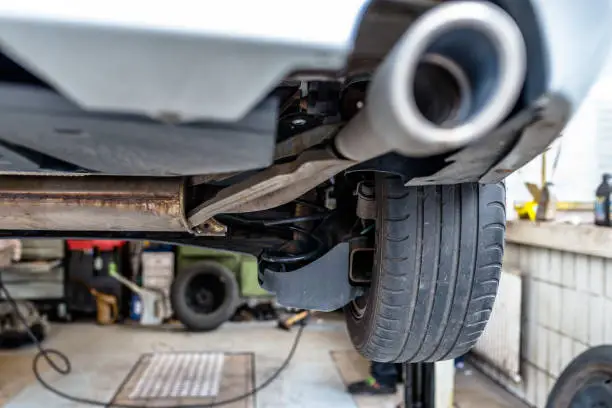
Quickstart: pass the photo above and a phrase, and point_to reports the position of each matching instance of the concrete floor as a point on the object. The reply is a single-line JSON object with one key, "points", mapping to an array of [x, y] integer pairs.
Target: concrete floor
{"points": [[475, 390], [103, 356]]}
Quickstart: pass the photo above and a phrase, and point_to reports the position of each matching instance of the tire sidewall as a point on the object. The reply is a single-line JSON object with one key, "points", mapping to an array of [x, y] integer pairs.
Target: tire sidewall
{"points": [[360, 329]]}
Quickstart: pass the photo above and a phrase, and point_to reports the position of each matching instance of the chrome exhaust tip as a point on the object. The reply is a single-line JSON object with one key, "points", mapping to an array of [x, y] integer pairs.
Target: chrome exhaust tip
{"points": [[453, 77]]}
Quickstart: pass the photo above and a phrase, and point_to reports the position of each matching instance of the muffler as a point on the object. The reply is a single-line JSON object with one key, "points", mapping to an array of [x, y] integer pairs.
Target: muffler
{"points": [[453, 77]]}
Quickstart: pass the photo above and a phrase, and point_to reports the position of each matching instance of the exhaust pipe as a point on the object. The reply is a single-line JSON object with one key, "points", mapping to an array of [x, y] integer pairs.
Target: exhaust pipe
{"points": [[98, 203], [453, 77], [91, 203]]}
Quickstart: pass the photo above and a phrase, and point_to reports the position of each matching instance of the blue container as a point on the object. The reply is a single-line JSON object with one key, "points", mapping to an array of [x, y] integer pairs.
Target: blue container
{"points": [[135, 308]]}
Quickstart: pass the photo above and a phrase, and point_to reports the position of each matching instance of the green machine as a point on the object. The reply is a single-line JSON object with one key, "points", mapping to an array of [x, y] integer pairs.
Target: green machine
{"points": [[243, 266], [210, 284]]}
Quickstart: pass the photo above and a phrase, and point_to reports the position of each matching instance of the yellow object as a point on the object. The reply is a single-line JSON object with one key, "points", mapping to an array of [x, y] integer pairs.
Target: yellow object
{"points": [[575, 206], [106, 307], [289, 322], [527, 211]]}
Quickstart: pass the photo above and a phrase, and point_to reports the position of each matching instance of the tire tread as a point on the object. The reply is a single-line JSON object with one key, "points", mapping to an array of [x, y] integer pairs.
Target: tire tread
{"points": [[440, 263]]}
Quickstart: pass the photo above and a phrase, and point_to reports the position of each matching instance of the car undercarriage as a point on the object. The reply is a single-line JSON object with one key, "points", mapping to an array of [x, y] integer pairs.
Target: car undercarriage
{"points": [[391, 121]]}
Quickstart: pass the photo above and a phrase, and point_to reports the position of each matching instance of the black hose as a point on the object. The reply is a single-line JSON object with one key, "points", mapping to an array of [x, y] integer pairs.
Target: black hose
{"points": [[296, 258], [271, 222], [293, 220], [53, 357], [268, 256]]}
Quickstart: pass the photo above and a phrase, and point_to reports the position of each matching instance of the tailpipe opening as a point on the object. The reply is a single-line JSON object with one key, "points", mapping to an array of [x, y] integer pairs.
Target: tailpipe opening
{"points": [[453, 77], [441, 91]]}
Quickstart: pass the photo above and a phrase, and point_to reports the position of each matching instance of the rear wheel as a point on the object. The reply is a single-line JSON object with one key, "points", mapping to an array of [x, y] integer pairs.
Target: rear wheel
{"points": [[436, 271]]}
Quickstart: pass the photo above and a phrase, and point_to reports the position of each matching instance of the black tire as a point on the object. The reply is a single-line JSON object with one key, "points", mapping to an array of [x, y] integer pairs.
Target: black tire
{"points": [[436, 274], [585, 382], [204, 295]]}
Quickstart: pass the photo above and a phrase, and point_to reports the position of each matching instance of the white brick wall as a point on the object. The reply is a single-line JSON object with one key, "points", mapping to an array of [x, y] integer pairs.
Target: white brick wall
{"points": [[566, 298], [582, 264], [567, 352], [530, 379], [581, 317], [554, 350], [554, 306], [596, 321], [608, 321], [595, 275], [608, 278], [568, 270], [542, 348]]}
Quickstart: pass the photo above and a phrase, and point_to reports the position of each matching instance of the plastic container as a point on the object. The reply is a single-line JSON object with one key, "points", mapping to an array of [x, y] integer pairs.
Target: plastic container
{"points": [[602, 202], [89, 245], [135, 308]]}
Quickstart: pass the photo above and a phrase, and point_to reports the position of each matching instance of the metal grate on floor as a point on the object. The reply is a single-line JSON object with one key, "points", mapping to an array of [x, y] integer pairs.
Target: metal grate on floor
{"points": [[184, 375]]}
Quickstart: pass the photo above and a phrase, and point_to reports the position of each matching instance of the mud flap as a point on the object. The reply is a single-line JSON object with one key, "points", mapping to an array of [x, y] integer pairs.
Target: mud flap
{"points": [[321, 285]]}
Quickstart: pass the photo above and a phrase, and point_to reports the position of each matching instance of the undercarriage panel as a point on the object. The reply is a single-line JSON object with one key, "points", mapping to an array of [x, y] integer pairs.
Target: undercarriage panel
{"points": [[42, 131]]}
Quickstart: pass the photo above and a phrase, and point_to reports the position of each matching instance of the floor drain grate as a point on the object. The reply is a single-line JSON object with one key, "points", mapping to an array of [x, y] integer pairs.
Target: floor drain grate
{"points": [[180, 375]]}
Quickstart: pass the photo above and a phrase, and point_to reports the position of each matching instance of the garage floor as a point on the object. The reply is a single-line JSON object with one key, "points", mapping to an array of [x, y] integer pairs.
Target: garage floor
{"points": [[102, 358]]}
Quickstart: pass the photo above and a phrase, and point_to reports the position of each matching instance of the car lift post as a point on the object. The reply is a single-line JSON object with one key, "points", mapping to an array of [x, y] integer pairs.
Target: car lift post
{"points": [[419, 385]]}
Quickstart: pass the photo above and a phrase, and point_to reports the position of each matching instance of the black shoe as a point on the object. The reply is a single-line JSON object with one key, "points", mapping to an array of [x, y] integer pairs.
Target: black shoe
{"points": [[370, 387]]}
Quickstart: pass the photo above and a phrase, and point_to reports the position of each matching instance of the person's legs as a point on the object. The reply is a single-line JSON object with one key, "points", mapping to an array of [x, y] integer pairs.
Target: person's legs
{"points": [[382, 380], [384, 373]]}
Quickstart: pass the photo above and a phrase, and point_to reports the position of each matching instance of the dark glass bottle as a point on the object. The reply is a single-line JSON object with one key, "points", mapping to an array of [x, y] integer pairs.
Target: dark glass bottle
{"points": [[602, 202]]}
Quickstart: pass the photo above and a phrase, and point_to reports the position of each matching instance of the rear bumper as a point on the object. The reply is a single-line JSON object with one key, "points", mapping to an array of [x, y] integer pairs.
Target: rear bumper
{"points": [[185, 58], [196, 61], [187, 61]]}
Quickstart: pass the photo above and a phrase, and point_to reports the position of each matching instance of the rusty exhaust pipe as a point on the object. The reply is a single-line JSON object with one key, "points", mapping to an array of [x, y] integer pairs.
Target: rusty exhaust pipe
{"points": [[91, 203]]}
